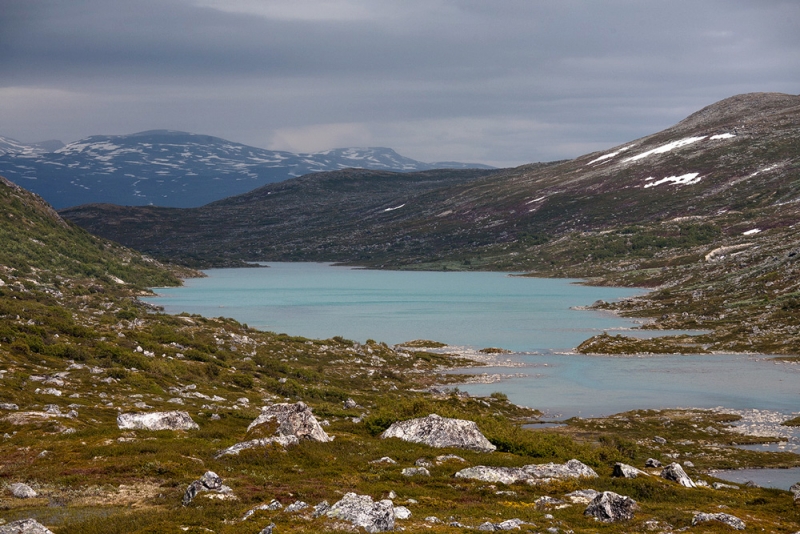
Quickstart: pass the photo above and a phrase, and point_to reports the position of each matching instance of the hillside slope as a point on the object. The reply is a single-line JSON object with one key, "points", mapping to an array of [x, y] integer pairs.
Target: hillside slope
{"points": [[171, 168], [708, 208]]}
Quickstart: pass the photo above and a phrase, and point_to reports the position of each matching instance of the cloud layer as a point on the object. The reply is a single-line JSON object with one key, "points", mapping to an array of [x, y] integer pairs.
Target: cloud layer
{"points": [[497, 82]]}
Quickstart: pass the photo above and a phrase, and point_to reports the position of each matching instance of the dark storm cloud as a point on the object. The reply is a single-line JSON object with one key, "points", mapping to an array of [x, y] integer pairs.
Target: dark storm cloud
{"points": [[503, 82]]}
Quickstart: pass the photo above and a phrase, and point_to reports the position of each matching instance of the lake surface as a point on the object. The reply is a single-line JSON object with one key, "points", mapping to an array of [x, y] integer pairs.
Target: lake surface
{"points": [[532, 317], [464, 308]]}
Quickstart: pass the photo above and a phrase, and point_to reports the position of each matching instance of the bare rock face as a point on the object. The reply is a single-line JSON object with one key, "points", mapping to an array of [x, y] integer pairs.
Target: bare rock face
{"points": [[293, 420], [730, 520], [175, 420], [210, 481], [437, 431], [25, 526], [627, 471], [363, 512], [610, 507], [532, 474], [675, 472], [22, 491]]}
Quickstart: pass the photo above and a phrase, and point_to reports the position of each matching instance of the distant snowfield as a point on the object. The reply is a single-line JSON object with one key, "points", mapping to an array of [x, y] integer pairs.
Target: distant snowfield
{"points": [[665, 148], [683, 179]]}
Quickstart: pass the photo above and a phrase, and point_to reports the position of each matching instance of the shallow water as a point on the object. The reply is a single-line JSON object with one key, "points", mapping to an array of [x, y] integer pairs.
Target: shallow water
{"points": [[766, 478]]}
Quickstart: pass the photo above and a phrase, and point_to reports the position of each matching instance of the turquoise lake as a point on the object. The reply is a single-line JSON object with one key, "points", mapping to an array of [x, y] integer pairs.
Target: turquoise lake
{"points": [[534, 318]]}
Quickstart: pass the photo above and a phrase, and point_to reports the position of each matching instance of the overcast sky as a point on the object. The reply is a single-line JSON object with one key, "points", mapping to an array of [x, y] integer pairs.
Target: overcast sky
{"points": [[502, 82]]}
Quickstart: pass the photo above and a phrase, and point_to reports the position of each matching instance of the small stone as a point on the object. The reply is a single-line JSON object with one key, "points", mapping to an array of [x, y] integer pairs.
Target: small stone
{"points": [[626, 471], [721, 485], [415, 471], [688, 463], [423, 462], [449, 458], [652, 462], [433, 520], [349, 404], [486, 527], [727, 519], [8, 406], [660, 440], [546, 503], [582, 496], [392, 495], [296, 506], [25, 526], [401, 512], [22, 491], [210, 481], [509, 524], [384, 460], [320, 509], [269, 529]]}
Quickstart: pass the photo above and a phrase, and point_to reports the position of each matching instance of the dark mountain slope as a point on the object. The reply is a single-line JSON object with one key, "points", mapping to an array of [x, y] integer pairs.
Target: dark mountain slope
{"points": [[170, 168]]}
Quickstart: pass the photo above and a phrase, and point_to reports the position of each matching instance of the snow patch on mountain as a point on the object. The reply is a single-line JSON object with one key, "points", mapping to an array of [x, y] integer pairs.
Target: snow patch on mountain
{"points": [[666, 148], [683, 179], [609, 156]]}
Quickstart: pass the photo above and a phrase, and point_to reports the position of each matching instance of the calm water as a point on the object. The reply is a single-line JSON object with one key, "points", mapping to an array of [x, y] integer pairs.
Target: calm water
{"points": [[527, 315], [477, 309]]}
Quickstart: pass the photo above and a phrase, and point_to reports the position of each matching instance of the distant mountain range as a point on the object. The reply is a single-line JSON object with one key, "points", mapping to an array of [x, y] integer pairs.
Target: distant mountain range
{"points": [[171, 168]]}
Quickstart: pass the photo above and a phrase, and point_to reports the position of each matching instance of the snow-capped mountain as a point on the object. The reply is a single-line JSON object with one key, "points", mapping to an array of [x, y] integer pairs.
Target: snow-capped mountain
{"points": [[171, 168], [14, 147]]}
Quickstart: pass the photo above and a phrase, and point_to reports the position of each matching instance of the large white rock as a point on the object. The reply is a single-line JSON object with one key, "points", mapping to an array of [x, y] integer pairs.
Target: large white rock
{"points": [[531, 474], [675, 472], [22, 491], [610, 507], [363, 512], [25, 526], [293, 420], [437, 431], [174, 420], [727, 519]]}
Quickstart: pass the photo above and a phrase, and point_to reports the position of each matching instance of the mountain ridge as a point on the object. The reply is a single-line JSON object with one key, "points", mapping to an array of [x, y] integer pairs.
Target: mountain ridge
{"points": [[174, 168]]}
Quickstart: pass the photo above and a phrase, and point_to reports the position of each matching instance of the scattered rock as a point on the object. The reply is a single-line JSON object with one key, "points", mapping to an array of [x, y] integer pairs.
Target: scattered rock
{"points": [[401, 512], [795, 489], [449, 458], [660, 440], [283, 441], [272, 506], [730, 520], [433, 520], [293, 420], [361, 511], [268, 529], [688, 463], [416, 471], [751, 484], [321, 509], [610, 507], [437, 431], [509, 524], [210, 481], [349, 404], [22, 491], [652, 462], [296, 506], [531, 474], [25, 526], [721, 485], [627, 471], [675, 472], [423, 462], [8, 406], [384, 460], [174, 420]]}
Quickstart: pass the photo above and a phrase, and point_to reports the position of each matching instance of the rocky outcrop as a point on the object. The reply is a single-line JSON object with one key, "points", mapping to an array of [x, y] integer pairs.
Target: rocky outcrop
{"points": [[363, 512], [610, 507], [727, 519], [530, 474], [22, 491], [283, 441], [175, 420], [210, 481], [675, 472], [416, 472], [437, 431], [25, 526], [627, 471], [292, 420]]}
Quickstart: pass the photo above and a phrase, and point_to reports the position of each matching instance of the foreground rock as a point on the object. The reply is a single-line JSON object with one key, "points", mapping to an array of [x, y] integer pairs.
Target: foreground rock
{"points": [[437, 431], [730, 520], [210, 481], [22, 491], [610, 507], [675, 472], [363, 512], [25, 526], [175, 420], [795, 489], [531, 474], [292, 420]]}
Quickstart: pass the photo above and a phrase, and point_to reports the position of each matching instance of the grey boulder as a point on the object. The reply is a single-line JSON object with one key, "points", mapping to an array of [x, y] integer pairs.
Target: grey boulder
{"points": [[727, 519], [675, 472], [531, 474], [174, 420], [437, 431], [234, 450], [610, 507], [652, 462], [210, 481], [22, 491], [25, 526], [627, 471], [292, 420], [362, 512]]}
